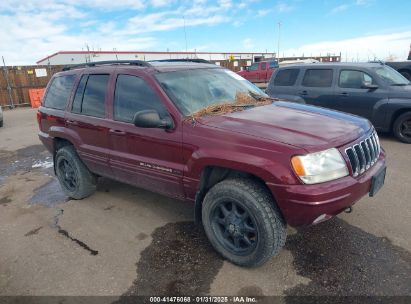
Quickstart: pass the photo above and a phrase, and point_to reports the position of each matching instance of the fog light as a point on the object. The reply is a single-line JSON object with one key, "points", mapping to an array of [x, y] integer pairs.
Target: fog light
{"points": [[322, 218]]}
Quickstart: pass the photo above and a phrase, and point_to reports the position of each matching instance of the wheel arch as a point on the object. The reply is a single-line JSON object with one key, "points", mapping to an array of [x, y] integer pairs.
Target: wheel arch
{"points": [[212, 175]]}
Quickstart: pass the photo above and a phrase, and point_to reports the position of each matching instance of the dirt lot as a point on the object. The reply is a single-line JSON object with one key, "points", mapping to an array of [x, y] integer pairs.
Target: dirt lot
{"points": [[127, 241]]}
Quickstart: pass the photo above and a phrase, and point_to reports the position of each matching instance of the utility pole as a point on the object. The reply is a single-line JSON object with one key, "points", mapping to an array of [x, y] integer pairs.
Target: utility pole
{"points": [[278, 44], [6, 75], [185, 34]]}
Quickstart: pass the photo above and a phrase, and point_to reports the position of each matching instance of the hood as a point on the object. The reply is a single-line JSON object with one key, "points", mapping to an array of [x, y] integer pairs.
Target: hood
{"points": [[308, 127]]}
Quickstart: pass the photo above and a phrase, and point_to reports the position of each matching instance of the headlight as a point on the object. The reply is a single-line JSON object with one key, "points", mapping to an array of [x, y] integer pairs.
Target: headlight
{"points": [[320, 167]]}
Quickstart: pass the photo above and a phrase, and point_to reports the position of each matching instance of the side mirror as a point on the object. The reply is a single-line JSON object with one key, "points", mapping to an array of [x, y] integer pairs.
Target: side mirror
{"points": [[151, 119], [369, 86]]}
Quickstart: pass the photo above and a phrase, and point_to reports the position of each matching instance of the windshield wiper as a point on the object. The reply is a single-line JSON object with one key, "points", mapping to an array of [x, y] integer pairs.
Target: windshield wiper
{"points": [[400, 84], [258, 97]]}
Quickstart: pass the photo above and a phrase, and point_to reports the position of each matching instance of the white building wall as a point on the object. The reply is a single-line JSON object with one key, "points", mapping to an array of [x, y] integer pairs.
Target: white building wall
{"points": [[79, 58]]}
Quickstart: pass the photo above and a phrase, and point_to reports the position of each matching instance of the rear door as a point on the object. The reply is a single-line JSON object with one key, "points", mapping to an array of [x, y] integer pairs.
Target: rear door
{"points": [[317, 87], [87, 121], [351, 97], [150, 158], [283, 84]]}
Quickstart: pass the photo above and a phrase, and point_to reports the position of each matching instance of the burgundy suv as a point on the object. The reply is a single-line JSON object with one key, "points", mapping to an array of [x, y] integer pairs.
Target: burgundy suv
{"points": [[250, 172]]}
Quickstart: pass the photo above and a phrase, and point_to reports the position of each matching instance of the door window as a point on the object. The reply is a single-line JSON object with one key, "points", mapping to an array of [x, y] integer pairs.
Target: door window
{"points": [[253, 67], [286, 77], [353, 79], [263, 66], [59, 92], [133, 94], [90, 95], [318, 78]]}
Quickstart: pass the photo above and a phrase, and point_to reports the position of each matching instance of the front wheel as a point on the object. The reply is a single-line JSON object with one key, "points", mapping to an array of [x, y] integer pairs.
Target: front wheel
{"points": [[242, 222], [402, 127]]}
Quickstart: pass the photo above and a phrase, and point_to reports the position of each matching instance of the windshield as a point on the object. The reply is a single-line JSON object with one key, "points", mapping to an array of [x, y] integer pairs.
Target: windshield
{"points": [[194, 90], [391, 76]]}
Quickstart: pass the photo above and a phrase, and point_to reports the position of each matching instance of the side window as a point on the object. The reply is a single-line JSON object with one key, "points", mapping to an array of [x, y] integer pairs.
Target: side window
{"points": [[263, 66], [133, 94], [94, 96], [286, 77], [253, 67], [59, 92], [78, 98], [353, 79], [273, 64], [318, 78]]}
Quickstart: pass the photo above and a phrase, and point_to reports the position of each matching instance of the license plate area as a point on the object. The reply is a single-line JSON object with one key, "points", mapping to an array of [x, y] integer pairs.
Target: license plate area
{"points": [[377, 181]]}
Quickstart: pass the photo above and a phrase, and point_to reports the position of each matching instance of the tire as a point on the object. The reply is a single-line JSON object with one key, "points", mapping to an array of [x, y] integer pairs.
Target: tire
{"points": [[1, 123], [262, 214], [402, 128], [75, 179]]}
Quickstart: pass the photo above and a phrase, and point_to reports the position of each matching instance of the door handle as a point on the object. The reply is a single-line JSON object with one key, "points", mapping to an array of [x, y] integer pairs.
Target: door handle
{"points": [[303, 93], [344, 94], [116, 132], [72, 122]]}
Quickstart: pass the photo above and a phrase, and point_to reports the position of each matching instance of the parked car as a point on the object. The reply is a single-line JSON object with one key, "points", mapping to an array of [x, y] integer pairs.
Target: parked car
{"points": [[403, 67], [259, 71], [249, 171], [1, 117], [372, 90]]}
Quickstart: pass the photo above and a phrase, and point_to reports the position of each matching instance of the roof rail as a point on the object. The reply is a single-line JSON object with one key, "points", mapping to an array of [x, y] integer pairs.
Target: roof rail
{"points": [[196, 60], [110, 62]]}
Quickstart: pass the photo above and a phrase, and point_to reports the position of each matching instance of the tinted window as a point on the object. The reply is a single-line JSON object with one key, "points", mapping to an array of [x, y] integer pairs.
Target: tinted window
{"points": [[78, 98], [254, 67], [59, 92], [132, 95], [263, 66], [286, 77], [353, 79], [318, 78], [94, 96]]}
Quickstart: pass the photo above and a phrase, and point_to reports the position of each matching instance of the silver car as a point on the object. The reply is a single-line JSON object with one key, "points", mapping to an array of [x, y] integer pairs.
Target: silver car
{"points": [[1, 117]]}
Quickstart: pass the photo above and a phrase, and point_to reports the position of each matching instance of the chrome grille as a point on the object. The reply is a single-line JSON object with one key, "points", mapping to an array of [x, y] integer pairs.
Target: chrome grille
{"points": [[364, 154]]}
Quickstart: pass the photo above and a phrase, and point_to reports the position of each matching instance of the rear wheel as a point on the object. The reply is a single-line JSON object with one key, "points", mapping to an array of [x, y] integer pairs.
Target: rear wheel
{"points": [[242, 222], [402, 128], [74, 177]]}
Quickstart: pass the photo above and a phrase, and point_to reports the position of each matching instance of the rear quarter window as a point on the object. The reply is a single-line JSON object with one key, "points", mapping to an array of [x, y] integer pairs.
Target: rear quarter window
{"points": [[286, 77], [318, 78], [59, 91]]}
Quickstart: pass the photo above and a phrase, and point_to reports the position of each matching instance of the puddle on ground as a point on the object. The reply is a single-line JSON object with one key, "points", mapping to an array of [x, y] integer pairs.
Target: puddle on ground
{"points": [[49, 194], [341, 259], [179, 261]]}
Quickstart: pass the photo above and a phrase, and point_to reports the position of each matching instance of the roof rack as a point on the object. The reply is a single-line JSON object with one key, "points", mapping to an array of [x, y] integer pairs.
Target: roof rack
{"points": [[196, 60], [110, 62]]}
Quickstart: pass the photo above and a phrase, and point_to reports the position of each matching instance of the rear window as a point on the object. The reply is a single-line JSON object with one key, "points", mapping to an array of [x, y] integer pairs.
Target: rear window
{"points": [[286, 77], [59, 92], [318, 78], [273, 64]]}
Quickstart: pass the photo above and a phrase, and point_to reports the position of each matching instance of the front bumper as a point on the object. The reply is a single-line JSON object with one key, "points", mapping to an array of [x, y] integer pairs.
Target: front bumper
{"points": [[302, 204]]}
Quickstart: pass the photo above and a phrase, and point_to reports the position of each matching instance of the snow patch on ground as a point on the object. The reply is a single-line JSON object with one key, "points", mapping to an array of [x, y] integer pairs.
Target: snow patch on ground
{"points": [[43, 164]]}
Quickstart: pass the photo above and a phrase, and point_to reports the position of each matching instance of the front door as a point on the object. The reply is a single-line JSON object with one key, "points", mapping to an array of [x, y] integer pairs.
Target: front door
{"points": [[352, 97], [149, 158]]}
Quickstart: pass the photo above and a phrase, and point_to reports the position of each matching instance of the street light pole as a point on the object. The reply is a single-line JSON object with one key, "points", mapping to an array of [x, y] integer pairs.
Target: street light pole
{"points": [[278, 45]]}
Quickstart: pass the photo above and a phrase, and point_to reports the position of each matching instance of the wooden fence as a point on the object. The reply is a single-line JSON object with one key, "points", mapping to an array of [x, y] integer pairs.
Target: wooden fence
{"points": [[16, 81]]}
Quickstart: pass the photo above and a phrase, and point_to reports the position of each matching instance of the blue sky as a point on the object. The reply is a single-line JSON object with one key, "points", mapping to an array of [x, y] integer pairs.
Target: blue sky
{"points": [[360, 29]]}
